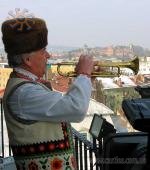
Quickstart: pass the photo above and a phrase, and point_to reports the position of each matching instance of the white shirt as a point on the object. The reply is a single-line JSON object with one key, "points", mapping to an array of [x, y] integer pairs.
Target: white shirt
{"points": [[33, 102]]}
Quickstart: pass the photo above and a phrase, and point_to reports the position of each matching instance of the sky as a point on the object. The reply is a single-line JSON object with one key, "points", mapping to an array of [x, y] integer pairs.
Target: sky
{"points": [[101, 23]]}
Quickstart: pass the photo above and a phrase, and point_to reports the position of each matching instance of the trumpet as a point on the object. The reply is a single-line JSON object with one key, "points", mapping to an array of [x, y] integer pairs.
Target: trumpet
{"points": [[101, 69]]}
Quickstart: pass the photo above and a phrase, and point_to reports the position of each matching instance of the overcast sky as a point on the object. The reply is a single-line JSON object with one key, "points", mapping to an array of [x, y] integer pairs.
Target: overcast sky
{"points": [[91, 22]]}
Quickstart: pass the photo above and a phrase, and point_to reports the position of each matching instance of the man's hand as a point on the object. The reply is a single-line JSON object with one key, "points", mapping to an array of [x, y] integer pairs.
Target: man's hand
{"points": [[85, 65]]}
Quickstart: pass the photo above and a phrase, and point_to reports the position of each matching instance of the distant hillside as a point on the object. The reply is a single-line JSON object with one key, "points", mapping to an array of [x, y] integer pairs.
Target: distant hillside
{"points": [[58, 49], [138, 50]]}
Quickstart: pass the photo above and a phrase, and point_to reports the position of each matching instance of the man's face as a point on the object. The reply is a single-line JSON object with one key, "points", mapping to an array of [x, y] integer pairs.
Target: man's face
{"points": [[37, 62]]}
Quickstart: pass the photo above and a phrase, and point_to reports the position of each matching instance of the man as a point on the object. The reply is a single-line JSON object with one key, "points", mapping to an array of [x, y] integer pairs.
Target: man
{"points": [[38, 119]]}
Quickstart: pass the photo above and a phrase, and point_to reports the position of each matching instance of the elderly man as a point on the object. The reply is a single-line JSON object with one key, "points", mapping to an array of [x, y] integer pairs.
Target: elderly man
{"points": [[38, 119]]}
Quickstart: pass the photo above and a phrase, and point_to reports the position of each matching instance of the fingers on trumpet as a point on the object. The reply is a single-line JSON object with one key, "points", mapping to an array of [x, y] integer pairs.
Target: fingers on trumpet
{"points": [[85, 65], [97, 67]]}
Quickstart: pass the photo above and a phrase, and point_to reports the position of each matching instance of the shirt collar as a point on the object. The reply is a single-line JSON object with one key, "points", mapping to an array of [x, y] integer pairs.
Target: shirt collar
{"points": [[26, 73]]}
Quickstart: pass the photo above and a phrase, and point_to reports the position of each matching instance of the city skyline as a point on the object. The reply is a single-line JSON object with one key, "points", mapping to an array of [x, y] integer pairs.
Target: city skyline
{"points": [[92, 22]]}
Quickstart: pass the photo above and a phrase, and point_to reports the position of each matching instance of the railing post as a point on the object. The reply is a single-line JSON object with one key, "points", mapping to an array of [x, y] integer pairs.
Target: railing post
{"points": [[76, 150], [2, 128], [85, 156], [81, 155], [91, 159]]}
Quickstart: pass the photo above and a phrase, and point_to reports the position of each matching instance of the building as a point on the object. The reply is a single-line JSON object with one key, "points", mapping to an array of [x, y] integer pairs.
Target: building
{"points": [[108, 51], [144, 66], [4, 75], [111, 92]]}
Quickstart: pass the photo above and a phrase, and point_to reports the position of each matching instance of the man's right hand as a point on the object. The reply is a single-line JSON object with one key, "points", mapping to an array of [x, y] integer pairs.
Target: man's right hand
{"points": [[85, 65]]}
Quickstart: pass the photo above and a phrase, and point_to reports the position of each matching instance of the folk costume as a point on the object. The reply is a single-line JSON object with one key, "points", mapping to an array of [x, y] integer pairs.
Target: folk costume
{"points": [[38, 118]]}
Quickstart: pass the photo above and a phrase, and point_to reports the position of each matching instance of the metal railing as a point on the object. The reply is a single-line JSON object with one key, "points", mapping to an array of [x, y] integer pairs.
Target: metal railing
{"points": [[85, 150], [5, 150]]}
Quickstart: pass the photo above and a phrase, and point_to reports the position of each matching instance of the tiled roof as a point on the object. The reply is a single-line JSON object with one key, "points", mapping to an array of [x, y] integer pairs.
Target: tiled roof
{"points": [[122, 81]]}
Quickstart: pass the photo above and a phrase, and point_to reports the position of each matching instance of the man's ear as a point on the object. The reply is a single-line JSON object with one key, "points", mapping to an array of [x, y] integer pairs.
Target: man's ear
{"points": [[27, 61]]}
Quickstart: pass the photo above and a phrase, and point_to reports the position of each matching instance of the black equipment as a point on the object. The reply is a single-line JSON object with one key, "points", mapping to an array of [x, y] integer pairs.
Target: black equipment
{"points": [[137, 112], [125, 151], [100, 127], [143, 90]]}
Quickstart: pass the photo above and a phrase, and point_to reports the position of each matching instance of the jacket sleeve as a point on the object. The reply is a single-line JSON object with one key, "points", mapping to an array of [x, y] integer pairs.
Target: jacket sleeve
{"points": [[33, 102]]}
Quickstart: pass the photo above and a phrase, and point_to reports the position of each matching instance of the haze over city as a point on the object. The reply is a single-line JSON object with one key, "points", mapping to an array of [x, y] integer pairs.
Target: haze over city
{"points": [[92, 22]]}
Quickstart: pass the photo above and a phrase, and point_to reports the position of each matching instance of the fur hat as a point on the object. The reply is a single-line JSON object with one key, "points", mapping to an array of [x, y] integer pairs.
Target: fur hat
{"points": [[24, 35]]}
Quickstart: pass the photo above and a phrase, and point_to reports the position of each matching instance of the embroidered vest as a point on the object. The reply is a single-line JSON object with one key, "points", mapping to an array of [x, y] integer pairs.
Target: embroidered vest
{"points": [[38, 145]]}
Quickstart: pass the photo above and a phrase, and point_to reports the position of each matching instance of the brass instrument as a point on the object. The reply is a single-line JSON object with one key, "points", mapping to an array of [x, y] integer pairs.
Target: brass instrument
{"points": [[107, 68]]}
